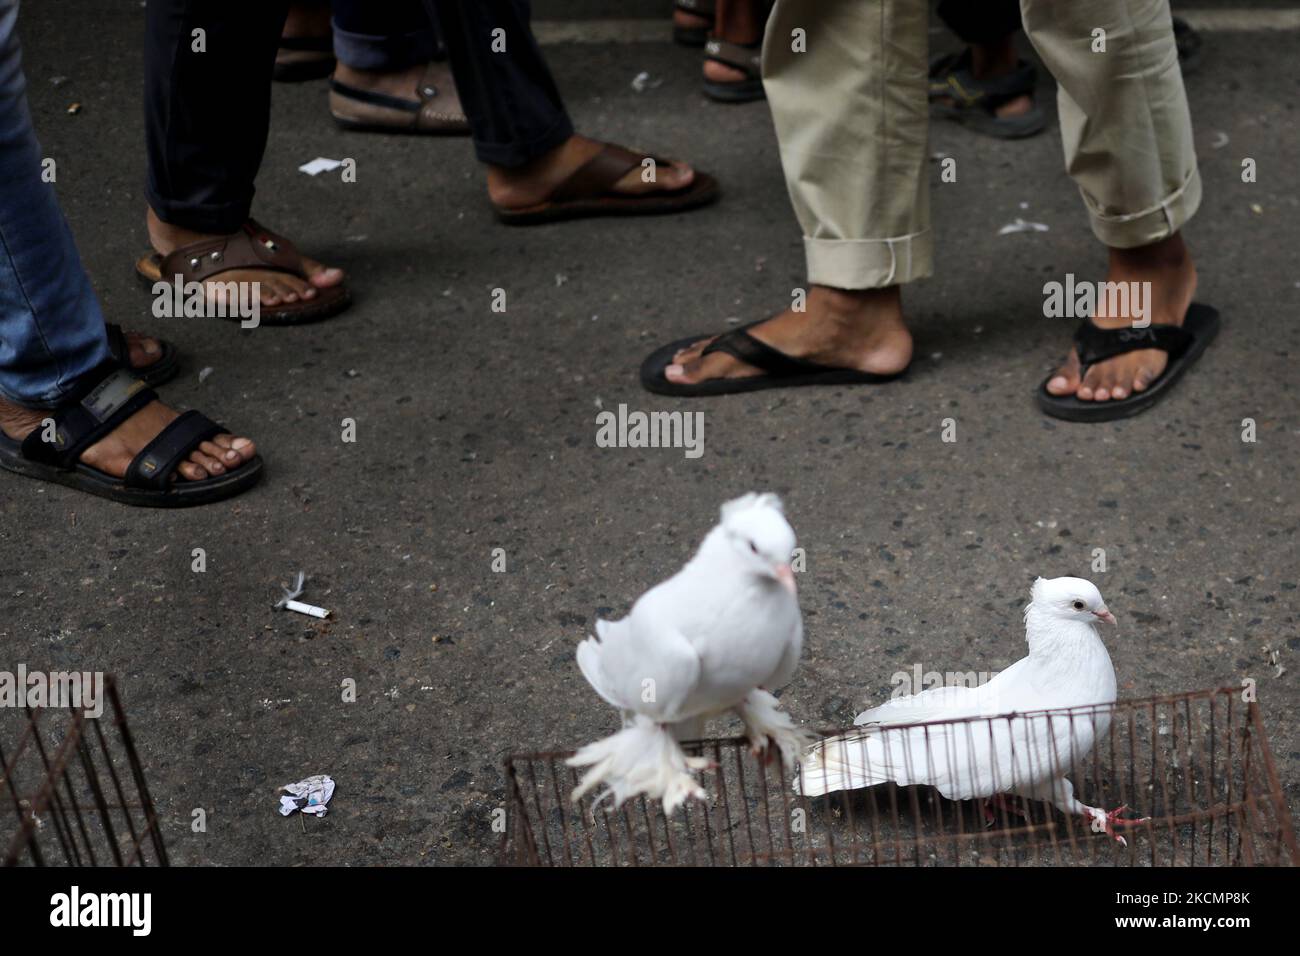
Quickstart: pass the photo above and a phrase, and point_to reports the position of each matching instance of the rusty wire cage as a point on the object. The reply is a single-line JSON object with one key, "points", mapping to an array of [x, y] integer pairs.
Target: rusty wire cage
{"points": [[1197, 765], [73, 788]]}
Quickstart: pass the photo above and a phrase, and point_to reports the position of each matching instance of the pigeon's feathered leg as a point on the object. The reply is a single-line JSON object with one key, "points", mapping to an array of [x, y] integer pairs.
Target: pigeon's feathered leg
{"points": [[1101, 821], [641, 758], [766, 723]]}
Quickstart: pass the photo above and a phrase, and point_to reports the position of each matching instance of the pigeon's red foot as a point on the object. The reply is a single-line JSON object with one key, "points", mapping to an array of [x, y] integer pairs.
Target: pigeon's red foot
{"points": [[766, 750], [1104, 822]]}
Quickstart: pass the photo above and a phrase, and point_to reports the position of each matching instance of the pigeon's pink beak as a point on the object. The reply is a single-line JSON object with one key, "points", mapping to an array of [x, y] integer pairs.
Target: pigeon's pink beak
{"points": [[1105, 615], [785, 574]]}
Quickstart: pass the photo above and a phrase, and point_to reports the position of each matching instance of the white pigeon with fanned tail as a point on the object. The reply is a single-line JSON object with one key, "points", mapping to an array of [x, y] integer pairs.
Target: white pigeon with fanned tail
{"points": [[1026, 756], [712, 638]]}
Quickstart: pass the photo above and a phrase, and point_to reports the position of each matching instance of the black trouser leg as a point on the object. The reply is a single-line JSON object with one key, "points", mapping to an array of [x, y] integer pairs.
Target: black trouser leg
{"points": [[207, 112], [509, 96]]}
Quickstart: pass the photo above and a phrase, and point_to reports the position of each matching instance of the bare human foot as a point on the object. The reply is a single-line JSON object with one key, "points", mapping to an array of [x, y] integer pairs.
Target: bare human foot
{"points": [[858, 329], [276, 287], [738, 21], [112, 454], [519, 187], [1168, 267]]}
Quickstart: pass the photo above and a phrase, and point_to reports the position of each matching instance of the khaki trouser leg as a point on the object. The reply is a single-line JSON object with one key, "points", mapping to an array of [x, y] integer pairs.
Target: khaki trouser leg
{"points": [[1124, 119], [852, 120]]}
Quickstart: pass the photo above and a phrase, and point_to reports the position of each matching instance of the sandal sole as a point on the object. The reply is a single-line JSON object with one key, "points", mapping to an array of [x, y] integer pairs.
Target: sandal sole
{"points": [[182, 494], [652, 376], [746, 91], [702, 192]]}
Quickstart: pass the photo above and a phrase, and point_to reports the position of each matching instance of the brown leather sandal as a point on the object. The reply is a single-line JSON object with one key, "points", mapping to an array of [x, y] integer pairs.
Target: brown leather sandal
{"points": [[437, 112], [253, 247], [589, 191]]}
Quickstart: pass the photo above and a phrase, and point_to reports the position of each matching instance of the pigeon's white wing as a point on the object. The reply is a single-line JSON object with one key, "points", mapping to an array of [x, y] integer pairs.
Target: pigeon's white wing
{"points": [[938, 703], [649, 669], [1008, 691]]}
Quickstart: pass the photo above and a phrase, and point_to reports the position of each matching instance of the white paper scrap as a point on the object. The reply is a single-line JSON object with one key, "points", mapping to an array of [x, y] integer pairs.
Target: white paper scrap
{"points": [[319, 165], [1021, 225], [309, 796]]}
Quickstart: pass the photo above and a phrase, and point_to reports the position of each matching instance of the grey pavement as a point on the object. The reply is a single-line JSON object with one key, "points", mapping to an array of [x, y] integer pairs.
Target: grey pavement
{"points": [[476, 430]]}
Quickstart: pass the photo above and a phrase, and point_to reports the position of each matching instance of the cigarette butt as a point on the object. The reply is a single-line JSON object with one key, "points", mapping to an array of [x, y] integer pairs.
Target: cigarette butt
{"points": [[310, 609]]}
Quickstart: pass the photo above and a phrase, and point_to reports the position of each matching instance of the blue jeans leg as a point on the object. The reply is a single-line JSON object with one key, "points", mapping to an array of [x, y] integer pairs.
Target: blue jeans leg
{"points": [[51, 327]]}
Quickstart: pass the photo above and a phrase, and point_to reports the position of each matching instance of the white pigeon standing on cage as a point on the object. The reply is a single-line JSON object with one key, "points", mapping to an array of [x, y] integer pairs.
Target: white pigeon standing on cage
{"points": [[715, 637], [1067, 667]]}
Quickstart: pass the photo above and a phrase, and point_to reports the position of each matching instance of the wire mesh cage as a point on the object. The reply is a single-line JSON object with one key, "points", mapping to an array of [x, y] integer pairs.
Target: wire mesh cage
{"points": [[73, 789], [1194, 769]]}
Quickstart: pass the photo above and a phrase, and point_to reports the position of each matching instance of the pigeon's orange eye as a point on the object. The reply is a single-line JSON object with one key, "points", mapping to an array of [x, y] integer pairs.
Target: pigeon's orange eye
{"points": [[1078, 605]]}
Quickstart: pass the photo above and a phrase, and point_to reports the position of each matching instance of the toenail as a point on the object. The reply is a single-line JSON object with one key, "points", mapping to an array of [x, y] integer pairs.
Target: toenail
{"points": [[151, 348], [232, 455], [1058, 382], [675, 369], [240, 443]]}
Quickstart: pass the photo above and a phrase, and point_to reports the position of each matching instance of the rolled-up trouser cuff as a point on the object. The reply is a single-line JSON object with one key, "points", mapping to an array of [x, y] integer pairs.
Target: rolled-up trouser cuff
{"points": [[1161, 221], [384, 54], [869, 263], [519, 153], [218, 219]]}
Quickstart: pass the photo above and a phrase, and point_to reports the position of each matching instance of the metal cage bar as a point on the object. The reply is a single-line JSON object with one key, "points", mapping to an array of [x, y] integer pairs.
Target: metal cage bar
{"points": [[1194, 770]]}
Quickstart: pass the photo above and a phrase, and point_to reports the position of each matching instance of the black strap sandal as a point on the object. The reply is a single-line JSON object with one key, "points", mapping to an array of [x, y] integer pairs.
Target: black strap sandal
{"points": [[781, 370], [112, 398], [745, 57], [694, 36], [162, 370], [955, 94], [1184, 344]]}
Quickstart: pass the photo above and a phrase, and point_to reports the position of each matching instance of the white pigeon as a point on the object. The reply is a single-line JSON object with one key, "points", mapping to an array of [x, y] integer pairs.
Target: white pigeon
{"points": [[1029, 757], [706, 641]]}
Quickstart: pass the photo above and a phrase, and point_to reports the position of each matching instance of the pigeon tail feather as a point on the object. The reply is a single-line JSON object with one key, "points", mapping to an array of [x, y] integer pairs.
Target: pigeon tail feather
{"points": [[642, 758], [846, 762]]}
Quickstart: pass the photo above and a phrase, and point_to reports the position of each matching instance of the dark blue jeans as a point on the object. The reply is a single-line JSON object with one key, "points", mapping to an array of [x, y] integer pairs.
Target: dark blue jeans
{"points": [[51, 328]]}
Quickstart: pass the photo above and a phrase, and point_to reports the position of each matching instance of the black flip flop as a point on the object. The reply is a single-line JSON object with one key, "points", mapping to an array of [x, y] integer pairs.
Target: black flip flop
{"points": [[1184, 344], [115, 396], [162, 370], [783, 371]]}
